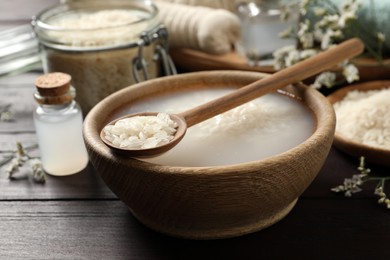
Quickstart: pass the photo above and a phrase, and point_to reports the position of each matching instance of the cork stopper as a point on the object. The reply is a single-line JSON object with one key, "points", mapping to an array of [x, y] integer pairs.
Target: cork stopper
{"points": [[54, 88], [53, 84]]}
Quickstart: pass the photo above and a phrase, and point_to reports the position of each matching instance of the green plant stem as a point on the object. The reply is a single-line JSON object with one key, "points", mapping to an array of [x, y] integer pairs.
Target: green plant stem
{"points": [[27, 148], [381, 179]]}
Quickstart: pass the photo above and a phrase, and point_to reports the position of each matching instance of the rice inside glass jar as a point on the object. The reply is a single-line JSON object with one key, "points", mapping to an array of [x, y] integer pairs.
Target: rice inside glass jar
{"points": [[101, 44]]}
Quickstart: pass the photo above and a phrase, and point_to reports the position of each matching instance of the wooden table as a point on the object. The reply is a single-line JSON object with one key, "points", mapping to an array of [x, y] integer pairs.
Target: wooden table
{"points": [[78, 217]]}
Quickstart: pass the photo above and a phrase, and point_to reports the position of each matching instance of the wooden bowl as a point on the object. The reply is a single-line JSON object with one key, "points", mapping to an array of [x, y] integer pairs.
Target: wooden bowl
{"points": [[372, 154], [209, 202]]}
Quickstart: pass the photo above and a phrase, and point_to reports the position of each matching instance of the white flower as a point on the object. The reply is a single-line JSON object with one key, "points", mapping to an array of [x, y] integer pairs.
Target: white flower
{"points": [[13, 167], [329, 37], [281, 55], [35, 164], [283, 51], [37, 171], [319, 11], [303, 5], [287, 10], [379, 191], [345, 18], [292, 58], [332, 19], [287, 32], [318, 34], [350, 6], [305, 37], [351, 73], [329, 21], [6, 116], [381, 37], [324, 79], [307, 40], [307, 53], [326, 41], [337, 34], [303, 27]]}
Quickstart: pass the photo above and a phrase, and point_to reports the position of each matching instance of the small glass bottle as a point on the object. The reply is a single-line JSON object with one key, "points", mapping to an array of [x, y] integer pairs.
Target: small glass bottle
{"points": [[58, 122]]}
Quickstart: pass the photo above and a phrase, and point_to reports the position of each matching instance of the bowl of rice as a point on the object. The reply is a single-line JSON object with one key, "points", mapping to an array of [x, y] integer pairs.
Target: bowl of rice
{"points": [[231, 175], [363, 120]]}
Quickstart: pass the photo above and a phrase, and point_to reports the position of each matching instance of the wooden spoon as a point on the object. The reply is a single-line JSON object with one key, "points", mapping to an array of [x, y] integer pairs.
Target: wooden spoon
{"points": [[279, 79]]}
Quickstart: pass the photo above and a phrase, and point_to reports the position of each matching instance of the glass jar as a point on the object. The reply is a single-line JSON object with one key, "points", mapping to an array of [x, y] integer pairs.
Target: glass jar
{"points": [[262, 24], [104, 45], [58, 122]]}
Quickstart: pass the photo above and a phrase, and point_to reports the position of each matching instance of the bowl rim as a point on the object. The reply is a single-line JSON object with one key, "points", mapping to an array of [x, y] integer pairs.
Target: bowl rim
{"points": [[321, 109]]}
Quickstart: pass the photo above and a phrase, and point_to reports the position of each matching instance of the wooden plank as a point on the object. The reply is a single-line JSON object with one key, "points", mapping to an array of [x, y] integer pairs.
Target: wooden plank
{"points": [[20, 11], [21, 102], [17, 91], [351, 229], [25, 79], [84, 185]]}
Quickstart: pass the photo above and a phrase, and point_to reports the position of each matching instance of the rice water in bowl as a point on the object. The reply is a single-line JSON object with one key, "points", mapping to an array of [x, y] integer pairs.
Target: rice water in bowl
{"points": [[103, 45], [258, 129], [231, 175]]}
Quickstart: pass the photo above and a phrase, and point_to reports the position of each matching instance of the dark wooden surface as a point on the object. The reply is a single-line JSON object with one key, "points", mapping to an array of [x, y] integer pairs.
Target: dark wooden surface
{"points": [[78, 217]]}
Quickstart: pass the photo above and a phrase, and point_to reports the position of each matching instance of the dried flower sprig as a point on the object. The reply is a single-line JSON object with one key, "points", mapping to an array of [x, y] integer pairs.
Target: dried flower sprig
{"points": [[5, 113], [15, 159], [335, 24], [354, 184]]}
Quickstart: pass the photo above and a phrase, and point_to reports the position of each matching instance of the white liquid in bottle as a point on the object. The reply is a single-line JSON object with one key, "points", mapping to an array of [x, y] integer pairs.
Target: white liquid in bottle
{"points": [[58, 123]]}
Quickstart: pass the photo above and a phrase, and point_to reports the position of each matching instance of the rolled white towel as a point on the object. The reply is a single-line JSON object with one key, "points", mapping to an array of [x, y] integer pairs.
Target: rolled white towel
{"points": [[219, 4], [202, 28]]}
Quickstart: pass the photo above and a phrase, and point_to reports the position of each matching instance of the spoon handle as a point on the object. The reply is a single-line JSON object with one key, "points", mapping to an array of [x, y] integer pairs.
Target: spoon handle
{"points": [[300, 71]]}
